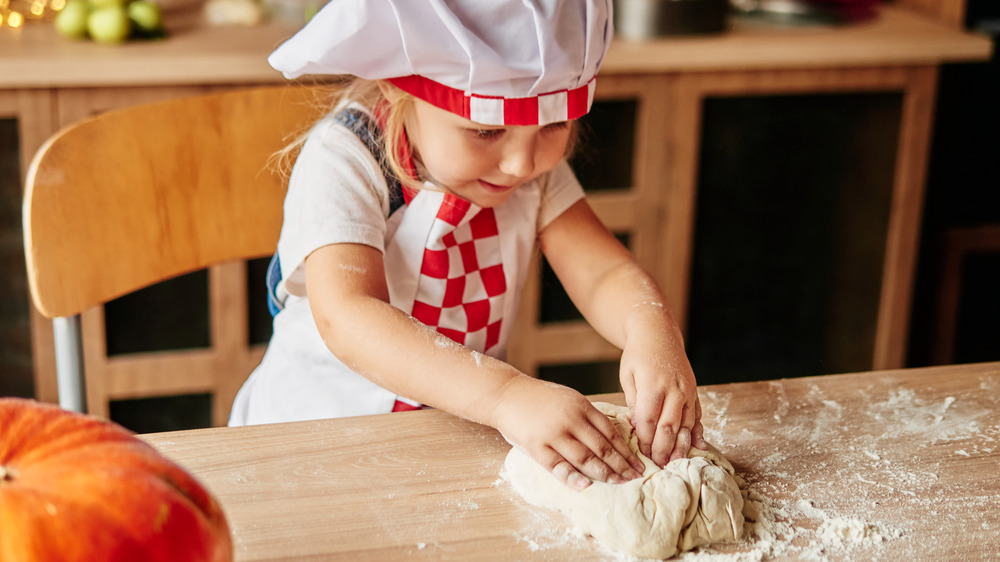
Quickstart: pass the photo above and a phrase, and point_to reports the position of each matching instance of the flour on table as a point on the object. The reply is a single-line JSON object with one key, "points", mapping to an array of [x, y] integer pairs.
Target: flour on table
{"points": [[689, 503]]}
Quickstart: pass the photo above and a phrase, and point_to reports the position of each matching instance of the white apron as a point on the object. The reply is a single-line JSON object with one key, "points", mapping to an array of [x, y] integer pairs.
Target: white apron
{"points": [[300, 379]]}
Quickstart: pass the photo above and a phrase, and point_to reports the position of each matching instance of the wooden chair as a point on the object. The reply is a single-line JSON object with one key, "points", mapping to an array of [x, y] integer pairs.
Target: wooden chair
{"points": [[132, 197]]}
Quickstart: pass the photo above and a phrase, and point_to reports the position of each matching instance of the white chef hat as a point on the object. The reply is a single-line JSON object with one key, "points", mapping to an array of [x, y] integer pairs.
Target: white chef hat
{"points": [[495, 62]]}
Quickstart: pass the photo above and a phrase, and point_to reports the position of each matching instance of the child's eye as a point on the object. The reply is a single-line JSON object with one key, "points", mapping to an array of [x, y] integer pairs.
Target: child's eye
{"points": [[553, 127], [486, 133]]}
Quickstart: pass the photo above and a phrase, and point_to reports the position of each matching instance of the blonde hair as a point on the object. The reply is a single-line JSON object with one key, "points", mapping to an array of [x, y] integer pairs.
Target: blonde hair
{"points": [[396, 109]]}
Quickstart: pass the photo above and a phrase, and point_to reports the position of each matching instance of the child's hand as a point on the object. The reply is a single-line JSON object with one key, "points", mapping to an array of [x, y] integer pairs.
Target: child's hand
{"points": [[565, 433], [660, 389]]}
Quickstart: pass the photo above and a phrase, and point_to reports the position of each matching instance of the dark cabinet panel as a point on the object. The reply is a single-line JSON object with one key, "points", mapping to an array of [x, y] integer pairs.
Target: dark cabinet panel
{"points": [[792, 214]]}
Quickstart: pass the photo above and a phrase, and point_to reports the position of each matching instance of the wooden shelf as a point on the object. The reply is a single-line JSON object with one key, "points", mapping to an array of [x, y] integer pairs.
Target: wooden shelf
{"points": [[35, 56], [895, 37]]}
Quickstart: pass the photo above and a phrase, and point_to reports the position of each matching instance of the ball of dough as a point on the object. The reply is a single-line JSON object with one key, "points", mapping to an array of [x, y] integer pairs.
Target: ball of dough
{"points": [[689, 503]]}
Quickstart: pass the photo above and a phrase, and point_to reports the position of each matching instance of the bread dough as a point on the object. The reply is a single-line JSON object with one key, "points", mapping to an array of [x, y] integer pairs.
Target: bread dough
{"points": [[688, 503]]}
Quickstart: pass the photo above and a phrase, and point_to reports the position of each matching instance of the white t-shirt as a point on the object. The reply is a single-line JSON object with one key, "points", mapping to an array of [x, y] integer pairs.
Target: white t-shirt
{"points": [[337, 194]]}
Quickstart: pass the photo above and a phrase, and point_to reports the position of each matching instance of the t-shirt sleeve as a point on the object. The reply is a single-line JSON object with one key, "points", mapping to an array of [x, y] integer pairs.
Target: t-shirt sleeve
{"points": [[560, 190], [336, 194]]}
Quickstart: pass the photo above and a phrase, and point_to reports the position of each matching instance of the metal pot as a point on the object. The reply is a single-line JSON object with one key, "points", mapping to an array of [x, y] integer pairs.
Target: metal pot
{"points": [[648, 19]]}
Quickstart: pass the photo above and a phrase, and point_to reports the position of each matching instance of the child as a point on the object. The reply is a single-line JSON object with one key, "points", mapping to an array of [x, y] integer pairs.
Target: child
{"points": [[410, 220]]}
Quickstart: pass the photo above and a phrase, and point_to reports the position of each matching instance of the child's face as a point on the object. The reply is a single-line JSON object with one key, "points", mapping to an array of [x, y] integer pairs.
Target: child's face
{"points": [[482, 164]]}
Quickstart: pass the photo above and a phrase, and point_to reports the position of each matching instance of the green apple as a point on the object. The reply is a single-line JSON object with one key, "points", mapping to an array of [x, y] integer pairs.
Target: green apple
{"points": [[310, 10], [147, 19], [109, 25], [72, 19]]}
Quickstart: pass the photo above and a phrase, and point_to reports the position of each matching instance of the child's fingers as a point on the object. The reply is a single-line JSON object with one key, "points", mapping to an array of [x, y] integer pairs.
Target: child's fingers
{"points": [[667, 427], [698, 431], [574, 461], [682, 444], [629, 390], [685, 435], [663, 444], [672, 435], [626, 463], [568, 475], [646, 413], [595, 452], [596, 456]]}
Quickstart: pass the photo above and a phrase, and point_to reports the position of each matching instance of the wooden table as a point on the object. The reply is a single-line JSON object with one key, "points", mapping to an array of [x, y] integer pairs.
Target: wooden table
{"points": [[909, 457]]}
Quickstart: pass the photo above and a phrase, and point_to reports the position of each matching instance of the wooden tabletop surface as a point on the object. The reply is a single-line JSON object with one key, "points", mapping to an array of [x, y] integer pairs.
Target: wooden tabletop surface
{"points": [[35, 56], [882, 465]]}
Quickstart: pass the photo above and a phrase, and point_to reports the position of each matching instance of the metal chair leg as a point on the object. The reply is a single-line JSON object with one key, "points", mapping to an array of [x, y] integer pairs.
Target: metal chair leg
{"points": [[69, 363]]}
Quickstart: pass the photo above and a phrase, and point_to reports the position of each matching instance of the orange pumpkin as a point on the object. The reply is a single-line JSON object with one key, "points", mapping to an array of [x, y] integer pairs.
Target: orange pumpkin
{"points": [[75, 488]]}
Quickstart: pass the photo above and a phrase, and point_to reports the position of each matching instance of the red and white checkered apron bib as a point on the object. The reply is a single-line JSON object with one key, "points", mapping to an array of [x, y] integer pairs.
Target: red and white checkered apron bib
{"points": [[461, 287], [461, 284]]}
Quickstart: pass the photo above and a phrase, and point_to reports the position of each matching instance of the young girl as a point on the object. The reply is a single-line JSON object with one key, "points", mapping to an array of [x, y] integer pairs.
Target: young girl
{"points": [[410, 220]]}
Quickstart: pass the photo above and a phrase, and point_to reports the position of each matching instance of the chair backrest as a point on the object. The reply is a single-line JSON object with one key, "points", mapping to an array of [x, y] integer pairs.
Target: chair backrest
{"points": [[130, 197]]}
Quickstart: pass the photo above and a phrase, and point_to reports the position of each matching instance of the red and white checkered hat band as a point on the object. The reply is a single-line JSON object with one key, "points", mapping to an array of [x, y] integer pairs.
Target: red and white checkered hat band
{"points": [[552, 107]]}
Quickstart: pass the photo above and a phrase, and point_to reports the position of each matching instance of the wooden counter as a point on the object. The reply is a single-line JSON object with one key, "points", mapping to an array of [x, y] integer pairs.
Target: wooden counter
{"points": [[883, 465]]}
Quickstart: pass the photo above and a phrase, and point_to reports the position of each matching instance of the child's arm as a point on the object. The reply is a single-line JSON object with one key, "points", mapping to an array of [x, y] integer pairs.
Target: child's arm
{"points": [[556, 425], [623, 303]]}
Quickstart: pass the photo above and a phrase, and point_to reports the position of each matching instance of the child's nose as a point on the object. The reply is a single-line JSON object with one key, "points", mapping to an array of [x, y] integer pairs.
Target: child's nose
{"points": [[519, 159]]}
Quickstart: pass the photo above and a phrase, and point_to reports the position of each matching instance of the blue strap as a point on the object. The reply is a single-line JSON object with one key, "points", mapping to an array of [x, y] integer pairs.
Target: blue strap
{"points": [[272, 278], [361, 125]]}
